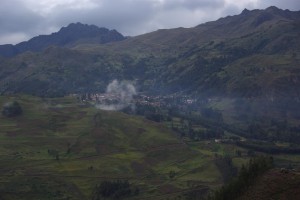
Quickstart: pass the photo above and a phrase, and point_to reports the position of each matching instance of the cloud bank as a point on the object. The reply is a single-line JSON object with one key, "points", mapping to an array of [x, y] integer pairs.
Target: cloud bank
{"points": [[22, 19]]}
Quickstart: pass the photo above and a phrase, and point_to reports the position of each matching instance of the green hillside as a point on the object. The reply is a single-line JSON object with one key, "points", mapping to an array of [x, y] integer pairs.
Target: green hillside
{"points": [[61, 149]]}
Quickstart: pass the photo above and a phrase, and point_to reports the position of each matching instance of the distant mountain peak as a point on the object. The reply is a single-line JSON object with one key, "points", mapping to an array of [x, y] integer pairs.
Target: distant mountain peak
{"points": [[273, 9], [70, 35], [245, 11], [80, 26]]}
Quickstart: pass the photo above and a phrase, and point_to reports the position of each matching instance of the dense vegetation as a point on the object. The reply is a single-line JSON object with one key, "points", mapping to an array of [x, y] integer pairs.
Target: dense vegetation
{"points": [[247, 176]]}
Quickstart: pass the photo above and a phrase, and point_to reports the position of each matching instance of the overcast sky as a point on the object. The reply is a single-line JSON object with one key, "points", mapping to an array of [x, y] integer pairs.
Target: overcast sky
{"points": [[21, 20]]}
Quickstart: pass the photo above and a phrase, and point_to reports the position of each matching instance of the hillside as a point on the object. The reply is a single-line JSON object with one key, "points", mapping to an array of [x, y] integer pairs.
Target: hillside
{"points": [[63, 148], [254, 54], [245, 67], [60, 148]]}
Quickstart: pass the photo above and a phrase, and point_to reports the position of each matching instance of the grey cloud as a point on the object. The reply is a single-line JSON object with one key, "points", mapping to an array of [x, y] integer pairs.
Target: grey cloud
{"points": [[133, 17], [127, 16], [130, 17], [284, 4], [16, 17], [231, 10], [194, 4]]}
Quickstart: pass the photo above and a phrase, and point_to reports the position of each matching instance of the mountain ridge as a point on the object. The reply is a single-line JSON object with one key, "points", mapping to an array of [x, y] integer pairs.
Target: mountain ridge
{"points": [[224, 57], [67, 36]]}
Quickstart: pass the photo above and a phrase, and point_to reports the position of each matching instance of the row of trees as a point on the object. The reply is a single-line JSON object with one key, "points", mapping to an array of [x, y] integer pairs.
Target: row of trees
{"points": [[226, 167], [249, 112], [206, 117], [268, 147]]}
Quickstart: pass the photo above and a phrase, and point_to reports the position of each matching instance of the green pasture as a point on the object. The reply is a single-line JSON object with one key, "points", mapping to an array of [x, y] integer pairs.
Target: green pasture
{"points": [[61, 149]]}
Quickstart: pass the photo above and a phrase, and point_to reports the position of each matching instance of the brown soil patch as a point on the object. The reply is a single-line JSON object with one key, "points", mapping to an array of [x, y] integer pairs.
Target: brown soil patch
{"points": [[139, 168], [275, 184]]}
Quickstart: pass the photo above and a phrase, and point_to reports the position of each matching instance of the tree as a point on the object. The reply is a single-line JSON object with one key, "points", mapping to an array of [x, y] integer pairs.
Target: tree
{"points": [[97, 119], [12, 109], [172, 174]]}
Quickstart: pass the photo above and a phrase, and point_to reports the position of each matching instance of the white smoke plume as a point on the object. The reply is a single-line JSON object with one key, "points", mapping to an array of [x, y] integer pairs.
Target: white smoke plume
{"points": [[121, 96]]}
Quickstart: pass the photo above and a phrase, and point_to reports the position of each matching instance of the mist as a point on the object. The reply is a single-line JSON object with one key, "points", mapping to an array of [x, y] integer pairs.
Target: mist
{"points": [[119, 95]]}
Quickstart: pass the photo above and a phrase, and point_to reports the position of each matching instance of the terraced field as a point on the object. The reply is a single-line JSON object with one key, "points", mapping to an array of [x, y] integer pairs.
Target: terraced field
{"points": [[60, 148]]}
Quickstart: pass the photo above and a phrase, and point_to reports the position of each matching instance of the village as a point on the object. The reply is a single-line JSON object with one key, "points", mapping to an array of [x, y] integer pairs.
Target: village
{"points": [[157, 101]]}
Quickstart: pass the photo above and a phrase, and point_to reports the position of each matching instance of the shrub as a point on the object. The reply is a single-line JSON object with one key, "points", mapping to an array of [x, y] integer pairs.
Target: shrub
{"points": [[12, 109]]}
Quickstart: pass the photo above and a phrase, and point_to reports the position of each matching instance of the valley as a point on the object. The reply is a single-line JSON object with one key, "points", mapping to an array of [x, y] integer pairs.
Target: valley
{"points": [[208, 112]]}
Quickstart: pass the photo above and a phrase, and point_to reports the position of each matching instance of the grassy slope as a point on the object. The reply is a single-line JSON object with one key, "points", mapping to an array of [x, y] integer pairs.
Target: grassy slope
{"points": [[97, 145], [114, 145]]}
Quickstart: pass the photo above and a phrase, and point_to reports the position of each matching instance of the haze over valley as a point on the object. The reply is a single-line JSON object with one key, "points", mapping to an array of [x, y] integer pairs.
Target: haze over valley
{"points": [[206, 112]]}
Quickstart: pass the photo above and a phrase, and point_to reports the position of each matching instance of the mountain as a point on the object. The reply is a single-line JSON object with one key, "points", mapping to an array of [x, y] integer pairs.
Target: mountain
{"points": [[68, 36], [241, 73], [253, 54]]}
